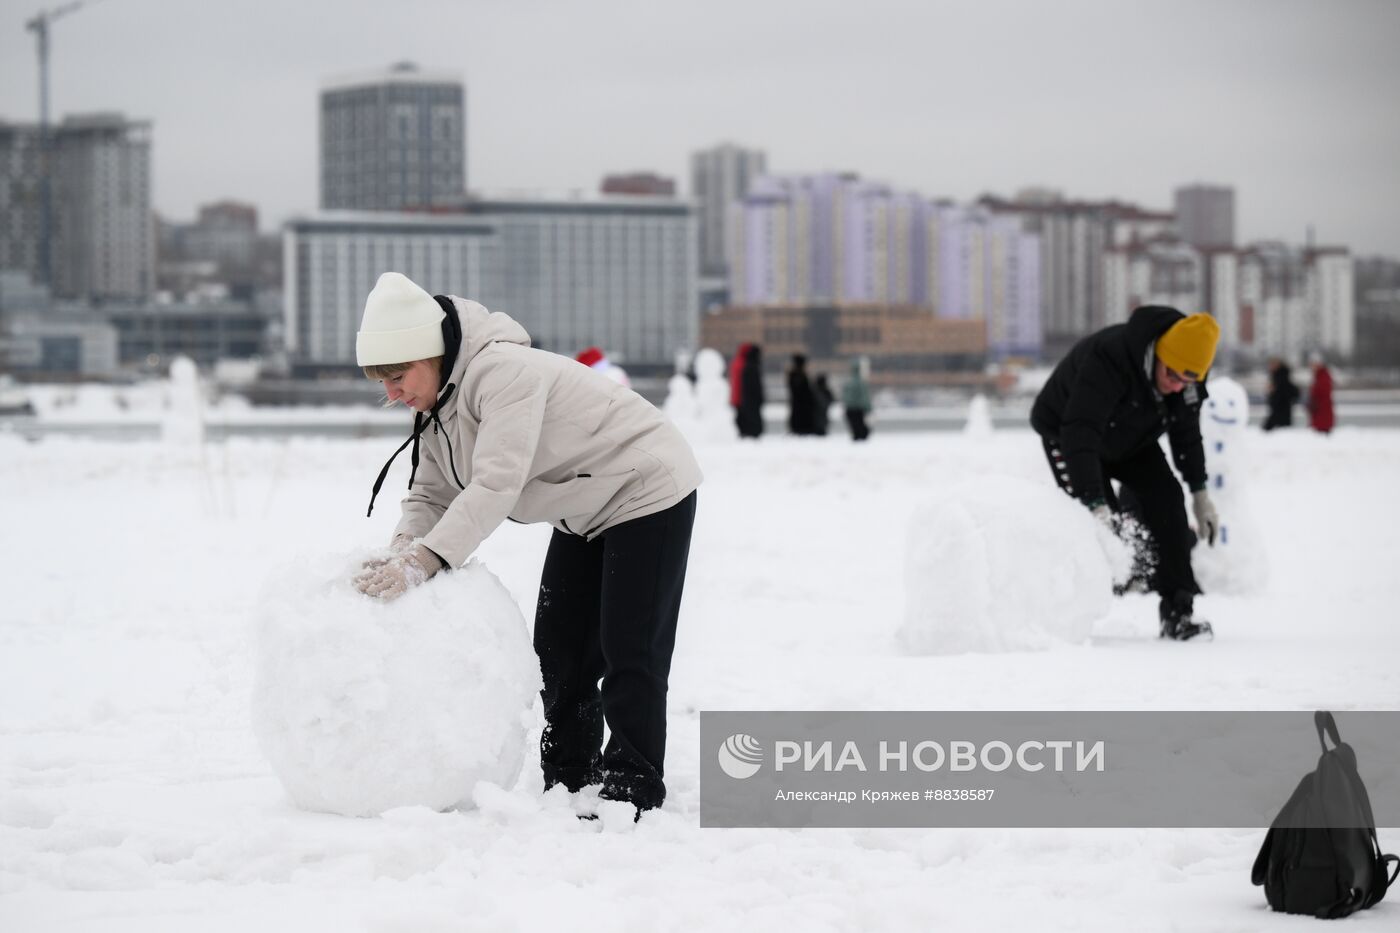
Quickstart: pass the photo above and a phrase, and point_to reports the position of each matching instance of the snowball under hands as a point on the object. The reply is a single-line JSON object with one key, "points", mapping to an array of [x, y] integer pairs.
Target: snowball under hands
{"points": [[361, 706]]}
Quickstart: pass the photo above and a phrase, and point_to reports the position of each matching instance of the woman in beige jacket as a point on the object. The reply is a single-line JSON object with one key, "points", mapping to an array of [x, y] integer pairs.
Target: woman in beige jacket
{"points": [[501, 431]]}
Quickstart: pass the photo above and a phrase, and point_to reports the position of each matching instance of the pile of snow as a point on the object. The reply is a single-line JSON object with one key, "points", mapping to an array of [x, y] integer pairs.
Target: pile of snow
{"points": [[680, 405], [183, 423], [363, 705], [979, 417], [1003, 564], [1238, 563]]}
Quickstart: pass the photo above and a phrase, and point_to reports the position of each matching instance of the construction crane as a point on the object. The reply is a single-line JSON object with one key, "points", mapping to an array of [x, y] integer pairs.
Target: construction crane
{"points": [[39, 25]]}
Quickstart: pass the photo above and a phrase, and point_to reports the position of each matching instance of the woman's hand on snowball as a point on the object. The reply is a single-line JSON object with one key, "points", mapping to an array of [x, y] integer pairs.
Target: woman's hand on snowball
{"points": [[389, 579]]}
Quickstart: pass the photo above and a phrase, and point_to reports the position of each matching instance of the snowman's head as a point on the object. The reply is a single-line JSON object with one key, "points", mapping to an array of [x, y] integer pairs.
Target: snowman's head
{"points": [[1227, 409], [709, 365]]}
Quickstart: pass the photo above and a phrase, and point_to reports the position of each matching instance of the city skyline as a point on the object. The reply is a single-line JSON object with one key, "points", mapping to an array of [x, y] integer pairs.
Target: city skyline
{"points": [[1284, 101]]}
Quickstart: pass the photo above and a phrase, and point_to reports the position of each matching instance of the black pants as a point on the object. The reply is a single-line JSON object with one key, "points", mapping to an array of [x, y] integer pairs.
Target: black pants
{"points": [[1152, 495], [607, 611], [856, 419]]}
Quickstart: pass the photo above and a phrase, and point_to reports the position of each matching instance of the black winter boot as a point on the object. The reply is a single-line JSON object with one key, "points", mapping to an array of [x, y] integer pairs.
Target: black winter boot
{"points": [[1177, 622]]}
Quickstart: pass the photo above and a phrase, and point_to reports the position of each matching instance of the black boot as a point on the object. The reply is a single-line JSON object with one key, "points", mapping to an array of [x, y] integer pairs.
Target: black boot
{"points": [[1177, 622]]}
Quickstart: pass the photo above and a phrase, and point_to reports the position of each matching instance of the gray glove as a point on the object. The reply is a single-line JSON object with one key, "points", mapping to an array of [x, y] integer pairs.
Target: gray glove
{"points": [[1207, 521], [392, 578]]}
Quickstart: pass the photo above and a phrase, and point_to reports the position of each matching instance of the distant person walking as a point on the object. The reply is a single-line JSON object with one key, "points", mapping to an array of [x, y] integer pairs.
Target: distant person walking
{"points": [[801, 400], [822, 398], [1283, 395], [746, 392], [1320, 413], [855, 396], [736, 377]]}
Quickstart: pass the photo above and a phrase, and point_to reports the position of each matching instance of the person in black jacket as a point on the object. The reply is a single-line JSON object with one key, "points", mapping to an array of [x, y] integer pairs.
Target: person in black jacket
{"points": [[801, 400], [749, 416], [822, 397], [1099, 417], [1283, 395]]}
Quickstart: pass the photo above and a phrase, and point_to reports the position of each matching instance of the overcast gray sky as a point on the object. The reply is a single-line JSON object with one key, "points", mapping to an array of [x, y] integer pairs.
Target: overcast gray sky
{"points": [[1293, 102]]}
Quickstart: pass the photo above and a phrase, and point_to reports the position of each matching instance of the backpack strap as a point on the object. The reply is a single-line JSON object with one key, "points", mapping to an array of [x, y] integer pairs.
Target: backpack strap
{"points": [[1324, 721], [1260, 872], [1342, 907], [1382, 881]]}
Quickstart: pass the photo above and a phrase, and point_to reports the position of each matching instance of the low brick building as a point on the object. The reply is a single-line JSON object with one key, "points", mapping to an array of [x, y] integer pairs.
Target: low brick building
{"points": [[907, 346]]}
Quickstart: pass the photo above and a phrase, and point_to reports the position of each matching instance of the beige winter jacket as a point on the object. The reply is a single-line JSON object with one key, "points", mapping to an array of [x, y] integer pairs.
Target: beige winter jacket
{"points": [[537, 437]]}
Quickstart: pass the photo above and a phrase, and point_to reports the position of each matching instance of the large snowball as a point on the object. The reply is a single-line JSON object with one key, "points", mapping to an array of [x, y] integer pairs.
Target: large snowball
{"points": [[1002, 564], [363, 705]]}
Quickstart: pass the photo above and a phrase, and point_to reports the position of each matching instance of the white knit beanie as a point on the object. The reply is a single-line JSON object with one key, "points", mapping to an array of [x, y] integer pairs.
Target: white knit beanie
{"points": [[402, 323]]}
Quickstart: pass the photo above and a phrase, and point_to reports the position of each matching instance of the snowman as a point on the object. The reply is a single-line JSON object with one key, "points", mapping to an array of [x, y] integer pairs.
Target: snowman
{"points": [[1237, 563], [680, 405], [979, 417], [714, 414], [183, 423]]}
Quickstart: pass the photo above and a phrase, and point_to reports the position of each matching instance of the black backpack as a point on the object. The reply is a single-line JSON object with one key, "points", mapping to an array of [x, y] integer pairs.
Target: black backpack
{"points": [[1321, 855]]}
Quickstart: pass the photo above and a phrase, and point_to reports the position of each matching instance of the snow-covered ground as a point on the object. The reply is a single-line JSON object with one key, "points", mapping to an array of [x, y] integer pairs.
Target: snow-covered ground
{"points": [[133, 795]]}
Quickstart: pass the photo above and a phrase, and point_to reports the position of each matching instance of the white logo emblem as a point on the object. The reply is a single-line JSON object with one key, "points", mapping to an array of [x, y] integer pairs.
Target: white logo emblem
{"points": [[741, 756]]}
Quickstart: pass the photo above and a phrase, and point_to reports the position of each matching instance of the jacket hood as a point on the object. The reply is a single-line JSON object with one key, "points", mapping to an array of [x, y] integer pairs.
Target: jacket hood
{"points": [[1145, 325], [1149, 322], [480, 329]]}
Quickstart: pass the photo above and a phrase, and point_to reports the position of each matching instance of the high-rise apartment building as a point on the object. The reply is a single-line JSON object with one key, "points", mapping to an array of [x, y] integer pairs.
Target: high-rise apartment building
{"points": [[393, 140], [20, 199], [1074, 237], [988, 267], [719, 177], [1296, 301], [102, 238], [827, 238], [838, 240], [1157, 272], [1205, 215]]}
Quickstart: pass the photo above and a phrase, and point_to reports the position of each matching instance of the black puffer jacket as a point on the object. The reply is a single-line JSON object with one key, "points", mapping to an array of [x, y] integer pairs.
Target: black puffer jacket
{"points": [[1100, 404]]}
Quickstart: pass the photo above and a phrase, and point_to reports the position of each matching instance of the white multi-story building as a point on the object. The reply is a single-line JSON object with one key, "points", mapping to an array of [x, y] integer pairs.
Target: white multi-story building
{"points": [[1159, 272], [1223, 301], [614, 272], [617, 273], [1331, 322], [332, 260], [393, 139], [102, 233], [718, 177], [1073, 237], [1295, 301]]}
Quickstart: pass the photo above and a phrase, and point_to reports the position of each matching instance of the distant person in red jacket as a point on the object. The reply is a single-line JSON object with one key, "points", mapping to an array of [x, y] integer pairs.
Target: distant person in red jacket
{"points": [[1320, 413]]}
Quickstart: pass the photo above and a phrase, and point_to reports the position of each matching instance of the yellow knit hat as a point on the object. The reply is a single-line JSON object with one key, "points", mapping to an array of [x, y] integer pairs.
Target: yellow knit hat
{"points": [[1188, 346]]}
